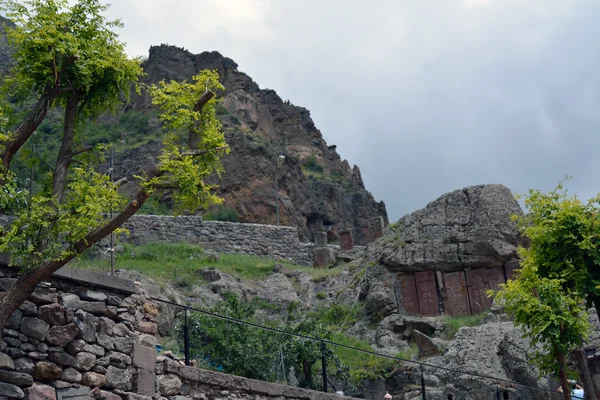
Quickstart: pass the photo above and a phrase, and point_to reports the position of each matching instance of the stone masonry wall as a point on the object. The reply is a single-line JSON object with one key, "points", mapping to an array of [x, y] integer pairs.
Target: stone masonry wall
{"points": [[280, 242], [84, 335]]}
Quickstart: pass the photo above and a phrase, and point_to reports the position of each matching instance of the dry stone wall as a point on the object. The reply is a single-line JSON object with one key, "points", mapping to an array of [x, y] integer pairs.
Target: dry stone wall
{"points": [[83, 335], [281, 242]]}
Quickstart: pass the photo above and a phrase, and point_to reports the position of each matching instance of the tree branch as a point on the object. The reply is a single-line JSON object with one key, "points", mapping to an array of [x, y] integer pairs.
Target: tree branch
{"points": [[65, 155], [194, 136], [121, 182], [83, 150]]}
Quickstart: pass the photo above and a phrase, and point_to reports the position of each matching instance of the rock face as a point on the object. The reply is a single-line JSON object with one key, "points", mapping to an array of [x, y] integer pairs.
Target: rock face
{"points": [[259, 127], [467, 228]]}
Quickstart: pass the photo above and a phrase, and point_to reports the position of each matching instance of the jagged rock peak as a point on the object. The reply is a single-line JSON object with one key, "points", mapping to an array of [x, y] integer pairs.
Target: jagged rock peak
{"points": [[466, 228]]}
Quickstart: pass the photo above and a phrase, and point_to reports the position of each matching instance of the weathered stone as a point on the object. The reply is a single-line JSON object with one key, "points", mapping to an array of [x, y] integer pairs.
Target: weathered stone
{"points": [[16, 378], [106, 341], [47, 371], [93, 307], [53, 314], [408, 294], [60, 384], [12, 342], [114, 301], [6, 362], [14, 353], [457, 297], [321, 257], [148, 327], [84, 361], [151, 309], [71, 375], [6, 284], [118, 378], [147, 340], [427, 293], [93, 379], [27, 347], [24, 365], [425, 344], [103, 362], [495, 278], [104, 395], [29, 308], [87, 325], [478, 284], [24, 338], [75, 346], [136, 396], [169, 385], [471, 227], [106, 325], [62, 335], [36, 328], [14, 321], [94, 296], [42, 347], [111, 312], [40, 392], [144, 357], [99, 369], [94, 349], [145, 382], [11, 391], [37, 355], [120, 330], [10, 333], [80, 393], [70, 301], [346, 240], [117, 357], [44, 295], [123, 344]]}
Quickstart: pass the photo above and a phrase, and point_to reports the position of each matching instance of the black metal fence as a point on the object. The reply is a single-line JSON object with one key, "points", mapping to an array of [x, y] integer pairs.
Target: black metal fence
{"points": [[501, 388]]}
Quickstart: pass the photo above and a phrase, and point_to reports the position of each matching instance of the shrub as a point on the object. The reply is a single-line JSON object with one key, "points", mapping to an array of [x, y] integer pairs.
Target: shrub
{"points": [[223, 213], [312, 164]]}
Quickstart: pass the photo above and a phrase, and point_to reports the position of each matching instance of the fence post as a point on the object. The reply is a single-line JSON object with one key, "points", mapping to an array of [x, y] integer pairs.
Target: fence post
{"points": [[324, 365], [497, 392], [423, 384], [186, 338]]}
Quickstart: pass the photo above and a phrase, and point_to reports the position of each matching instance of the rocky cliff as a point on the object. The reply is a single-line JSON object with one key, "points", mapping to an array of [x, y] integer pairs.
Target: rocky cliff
{"points": [[317, 189]]}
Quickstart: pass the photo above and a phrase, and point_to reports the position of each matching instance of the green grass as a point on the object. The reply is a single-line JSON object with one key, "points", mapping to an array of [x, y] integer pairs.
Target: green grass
{"points": [[177, 263], [453, 324]]}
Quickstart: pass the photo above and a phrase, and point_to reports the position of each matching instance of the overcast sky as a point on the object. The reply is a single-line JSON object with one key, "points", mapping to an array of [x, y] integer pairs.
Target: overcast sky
{"points": [[424, 96]]}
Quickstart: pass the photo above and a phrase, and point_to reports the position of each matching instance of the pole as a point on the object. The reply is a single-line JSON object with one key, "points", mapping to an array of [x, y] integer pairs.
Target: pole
{"points": [[31, 178], [276, 196], [186, 338], [112, 236], [497, 392], [423, 384], [324, 365]]}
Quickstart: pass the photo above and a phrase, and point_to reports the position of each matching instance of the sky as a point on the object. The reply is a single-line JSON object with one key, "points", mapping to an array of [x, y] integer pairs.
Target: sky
{"points": [[425, 96]]}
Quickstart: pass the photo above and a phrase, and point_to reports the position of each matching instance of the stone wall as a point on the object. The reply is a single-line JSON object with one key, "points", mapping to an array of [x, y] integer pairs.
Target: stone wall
{"points": [[280, 242], [83, 335]]}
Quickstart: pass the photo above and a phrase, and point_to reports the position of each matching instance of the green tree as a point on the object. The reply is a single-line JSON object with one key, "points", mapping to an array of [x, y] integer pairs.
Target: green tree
{"points": [[552, 318], [69, 56]]}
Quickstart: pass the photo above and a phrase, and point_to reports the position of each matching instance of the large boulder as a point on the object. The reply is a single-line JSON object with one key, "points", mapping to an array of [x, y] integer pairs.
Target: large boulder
{"points": [[470, 227]]}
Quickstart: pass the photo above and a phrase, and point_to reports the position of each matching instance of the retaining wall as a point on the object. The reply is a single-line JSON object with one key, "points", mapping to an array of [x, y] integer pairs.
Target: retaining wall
{"points": [[84, 335]]}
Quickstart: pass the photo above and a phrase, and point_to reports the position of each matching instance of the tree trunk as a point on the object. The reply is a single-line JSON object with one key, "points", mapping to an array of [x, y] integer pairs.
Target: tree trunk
{"points": [[584, 373], [306, 366], [23, 132], [562, 374], [65, 155]]}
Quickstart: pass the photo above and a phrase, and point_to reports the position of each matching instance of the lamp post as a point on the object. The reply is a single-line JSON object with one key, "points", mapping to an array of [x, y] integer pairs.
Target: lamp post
{"points": [[280, 161]]}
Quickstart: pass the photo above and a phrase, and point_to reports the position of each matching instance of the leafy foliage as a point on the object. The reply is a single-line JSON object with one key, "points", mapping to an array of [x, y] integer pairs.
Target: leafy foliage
{"points": [[312, 164], [223, 213]]}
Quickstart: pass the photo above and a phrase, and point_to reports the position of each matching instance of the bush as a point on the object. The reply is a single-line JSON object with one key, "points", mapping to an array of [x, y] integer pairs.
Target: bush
{"points": [[223, 213], [311, 164]]}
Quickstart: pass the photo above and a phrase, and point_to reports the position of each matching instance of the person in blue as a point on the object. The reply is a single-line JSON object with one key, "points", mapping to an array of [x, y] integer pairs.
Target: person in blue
{"points": [[576, 390]]}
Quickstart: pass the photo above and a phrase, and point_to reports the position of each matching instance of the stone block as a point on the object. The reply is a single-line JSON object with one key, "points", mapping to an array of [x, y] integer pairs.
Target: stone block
{"points": [[24, 365], [80, 393], [427, 293], [84, 361], [145, 382], [321, 257], [86, 323], [116, 357], [118, 378], [75, 346], [320, 239], [376, 228], [53, 314], [11, 391], [14, 321], [40, 392], [169, 385], [28, 308], [71, 375], [94, 349], [43, 295], [35, 328], [478, 284], [96, 279], [148, 327], [425, 344], [144, 357], [70, 301], [61, 335], [137, 396], [47, 371], [6, 362], [93, 379], [346, 240], [106, 325], [457, 297], [16, 378], [408, 294], [94, 295]]}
